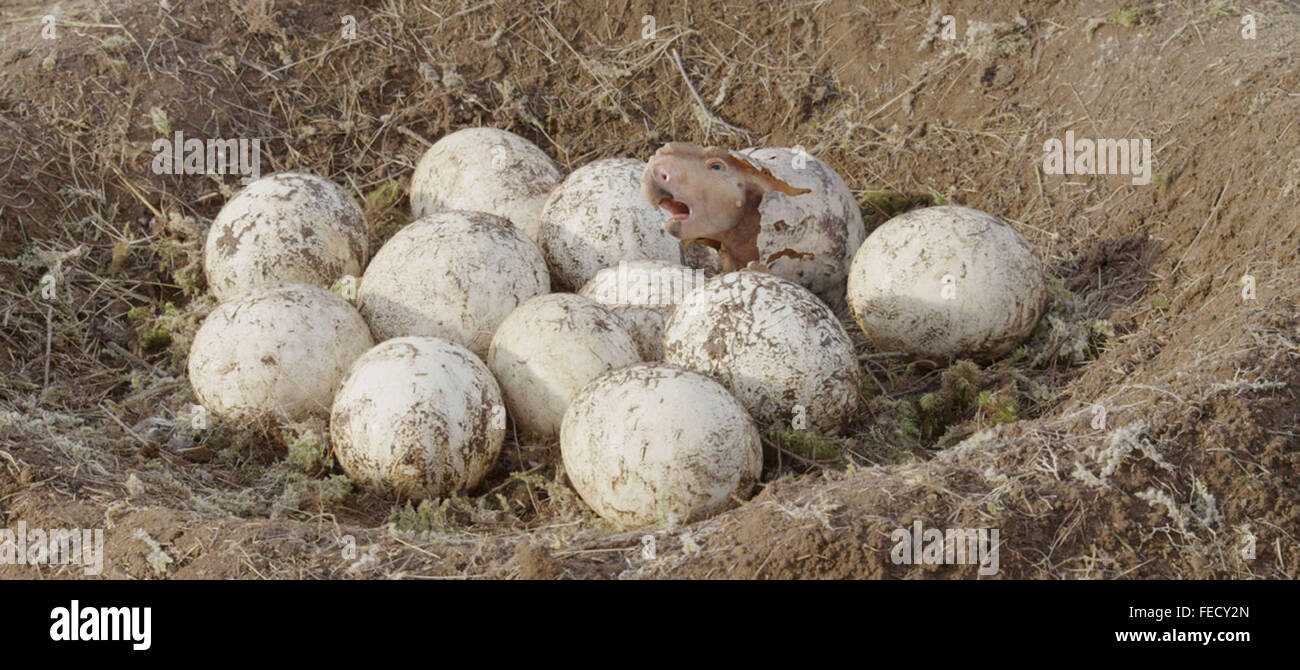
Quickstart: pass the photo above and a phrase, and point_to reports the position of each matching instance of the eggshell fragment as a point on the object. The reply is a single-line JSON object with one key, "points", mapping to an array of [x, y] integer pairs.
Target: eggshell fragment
{"points": [[809, 239]]}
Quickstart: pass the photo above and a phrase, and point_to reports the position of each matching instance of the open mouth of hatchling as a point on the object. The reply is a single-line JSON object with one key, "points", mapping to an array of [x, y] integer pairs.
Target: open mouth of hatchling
{"points": [[679, 210]]}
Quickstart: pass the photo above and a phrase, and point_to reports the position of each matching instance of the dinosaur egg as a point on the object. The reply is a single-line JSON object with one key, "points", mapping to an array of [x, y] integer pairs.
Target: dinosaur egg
{"points": [[275, 353], [656, 444], [454, 275], [773, 344], [547, 349], [484, 170], [643, 294], [418, 417], [944, 282], [596, 217], [284, 229], [810, 238]]}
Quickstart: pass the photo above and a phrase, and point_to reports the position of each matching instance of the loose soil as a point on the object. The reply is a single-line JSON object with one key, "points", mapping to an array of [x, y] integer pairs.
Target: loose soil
{"points": [[1149, 429]]}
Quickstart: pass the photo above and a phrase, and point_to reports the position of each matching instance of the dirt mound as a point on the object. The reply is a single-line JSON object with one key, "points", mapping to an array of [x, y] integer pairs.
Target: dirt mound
{"points": [[1149, 427]]}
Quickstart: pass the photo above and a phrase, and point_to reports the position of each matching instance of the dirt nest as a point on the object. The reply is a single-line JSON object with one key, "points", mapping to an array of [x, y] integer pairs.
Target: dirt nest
{"points": [[1149, 428]]}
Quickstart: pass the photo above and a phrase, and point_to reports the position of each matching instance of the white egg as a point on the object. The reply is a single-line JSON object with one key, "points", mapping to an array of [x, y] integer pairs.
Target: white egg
{"points": [[275, 353], [656, 444], [418, 417], [643, 294], [484, 170], [454, 275], [284, 229], [809, 239], [597, 217], [946, 282], [548, 349], [773, 344]]}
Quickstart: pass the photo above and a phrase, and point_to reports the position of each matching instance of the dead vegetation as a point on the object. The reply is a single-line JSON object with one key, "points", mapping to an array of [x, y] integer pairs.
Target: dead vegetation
{"points": [[1147, 429]]}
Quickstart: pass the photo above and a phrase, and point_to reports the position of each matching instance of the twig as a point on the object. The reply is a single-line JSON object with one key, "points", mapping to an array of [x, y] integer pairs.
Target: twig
{"points": [[413, 135], [910, 89], [129, 431], [1213, 210], [49, 338], [708, 115]]}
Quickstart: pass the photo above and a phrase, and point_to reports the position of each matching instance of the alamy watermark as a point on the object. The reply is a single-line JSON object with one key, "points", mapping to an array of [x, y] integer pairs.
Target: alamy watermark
{"points": [[179, 155], [55, 546], [102, 624], [1100, 156], [953, 546], [650, 288]]}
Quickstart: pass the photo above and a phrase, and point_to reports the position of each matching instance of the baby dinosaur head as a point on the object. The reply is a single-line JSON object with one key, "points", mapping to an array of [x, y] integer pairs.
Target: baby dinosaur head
{"points": [[710, 194]]}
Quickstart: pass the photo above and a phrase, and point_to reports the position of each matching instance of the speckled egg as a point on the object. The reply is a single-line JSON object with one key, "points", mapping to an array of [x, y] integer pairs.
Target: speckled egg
{"points": [[773, 344], [656, 444], [643, 294], [596, 217], [809, 239], [946, 282], [547, 349], [418, 417], [275, 353], [484, 170], [283, 229], [454, 275]]}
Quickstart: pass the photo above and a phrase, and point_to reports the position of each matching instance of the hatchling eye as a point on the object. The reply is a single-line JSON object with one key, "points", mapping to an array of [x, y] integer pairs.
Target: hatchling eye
{"points": [[715, 165]]}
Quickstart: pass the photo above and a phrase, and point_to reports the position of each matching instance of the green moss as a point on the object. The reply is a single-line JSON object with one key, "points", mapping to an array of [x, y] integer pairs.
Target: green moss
{"points": [[384, 196], [958, 388], [333, 489], [169, 254], [891, 203], [114, 43], [428, 515], [1067, 334], [893, 435], [1125, 17], [190, 280], [967, 398], [154, 339], [998, 407], [808, 444], [301, 495], [879, 206], [382, 212], [901, 420], [307, 451], [157, 334], [954, 434]]}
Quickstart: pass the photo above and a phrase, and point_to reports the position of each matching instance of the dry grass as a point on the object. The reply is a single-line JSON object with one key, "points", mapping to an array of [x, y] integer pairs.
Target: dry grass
{"points": [[96, 413]]}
